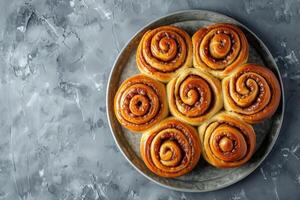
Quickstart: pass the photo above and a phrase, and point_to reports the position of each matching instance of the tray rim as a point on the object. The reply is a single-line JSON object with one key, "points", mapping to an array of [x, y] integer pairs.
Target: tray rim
{"points": [[266, 49]]}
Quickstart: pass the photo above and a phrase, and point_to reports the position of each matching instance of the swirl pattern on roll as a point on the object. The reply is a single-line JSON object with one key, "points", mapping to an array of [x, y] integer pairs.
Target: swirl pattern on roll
{"points": [[171, 148], [227, 141], [252, 92], [140, 103], [163, 51], [194, 96], [219, 49]]}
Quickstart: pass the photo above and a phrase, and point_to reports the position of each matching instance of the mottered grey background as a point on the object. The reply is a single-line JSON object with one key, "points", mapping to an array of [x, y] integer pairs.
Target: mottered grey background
{"points": [[55, 58]]}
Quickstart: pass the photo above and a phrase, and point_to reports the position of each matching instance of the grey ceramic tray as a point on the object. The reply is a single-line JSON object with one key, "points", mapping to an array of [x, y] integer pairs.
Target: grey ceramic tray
{"points": [[204, 177]]}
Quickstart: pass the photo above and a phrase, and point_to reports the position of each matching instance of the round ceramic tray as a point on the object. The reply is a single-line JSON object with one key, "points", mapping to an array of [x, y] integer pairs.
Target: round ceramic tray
{"points": [[204, 177]]}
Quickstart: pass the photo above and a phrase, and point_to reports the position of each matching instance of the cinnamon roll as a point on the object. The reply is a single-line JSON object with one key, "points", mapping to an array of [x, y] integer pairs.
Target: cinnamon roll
{"points": [[163, 51], [194, 96], [227, 141], [219, 49], [171, 148], [252, 92], [140, 103]]}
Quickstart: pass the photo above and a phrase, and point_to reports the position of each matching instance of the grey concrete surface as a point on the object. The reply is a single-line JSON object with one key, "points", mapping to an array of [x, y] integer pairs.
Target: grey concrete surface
{"points": [[55, 57]]}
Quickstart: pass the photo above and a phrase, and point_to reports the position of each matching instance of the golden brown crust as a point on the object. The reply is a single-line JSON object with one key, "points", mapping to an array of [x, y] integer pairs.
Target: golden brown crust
{"points": [[171, 148], [140, 103], [252, 92], [227, 141], [194, 96], [219, 49], [163, 51]]}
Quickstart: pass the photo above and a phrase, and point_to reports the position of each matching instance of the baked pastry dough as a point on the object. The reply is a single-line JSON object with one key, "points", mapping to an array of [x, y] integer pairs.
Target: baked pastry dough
{"points": [[163, 51], [194, 96], [171, 148], [219, 49], [252, 92], [227, 141], [140, 103]]}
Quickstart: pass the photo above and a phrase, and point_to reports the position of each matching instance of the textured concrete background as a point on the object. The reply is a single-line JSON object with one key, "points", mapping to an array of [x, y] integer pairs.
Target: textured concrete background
{"points": [[55, 57]]}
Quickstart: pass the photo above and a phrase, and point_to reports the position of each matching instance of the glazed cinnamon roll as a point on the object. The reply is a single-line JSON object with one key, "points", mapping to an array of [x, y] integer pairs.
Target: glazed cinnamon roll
{"points": [[219, 49], [171, 148], [252, 92], [163, 51], [227, 141], [194, 96], [140, 103]]}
